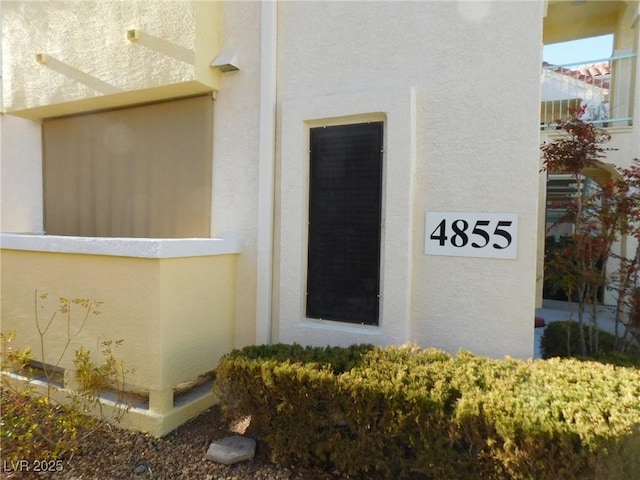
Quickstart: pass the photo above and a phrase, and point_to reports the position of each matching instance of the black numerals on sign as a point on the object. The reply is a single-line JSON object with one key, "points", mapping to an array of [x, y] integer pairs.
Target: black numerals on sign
{"points": [[502, 233], [441, 236], [459, 237], [480, 234]]}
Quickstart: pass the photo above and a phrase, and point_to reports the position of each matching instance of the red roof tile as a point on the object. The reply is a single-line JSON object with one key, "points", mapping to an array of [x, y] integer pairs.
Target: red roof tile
{"points": [[595, 74]]}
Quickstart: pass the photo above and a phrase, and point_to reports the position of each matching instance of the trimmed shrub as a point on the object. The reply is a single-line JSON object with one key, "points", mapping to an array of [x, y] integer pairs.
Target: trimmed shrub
{"points": [[403, 412], [554, 344]]}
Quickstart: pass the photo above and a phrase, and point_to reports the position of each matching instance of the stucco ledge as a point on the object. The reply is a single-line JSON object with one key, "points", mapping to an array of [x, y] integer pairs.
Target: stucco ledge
{"points": [[121, 247]]}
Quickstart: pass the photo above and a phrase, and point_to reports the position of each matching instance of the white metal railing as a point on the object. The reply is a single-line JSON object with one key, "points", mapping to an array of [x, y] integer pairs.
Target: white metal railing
{"points": [[604, 86]]}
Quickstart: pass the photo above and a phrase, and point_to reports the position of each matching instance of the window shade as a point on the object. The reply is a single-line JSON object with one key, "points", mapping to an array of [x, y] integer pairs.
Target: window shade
{"points": [[345, 198], [136, 172]]}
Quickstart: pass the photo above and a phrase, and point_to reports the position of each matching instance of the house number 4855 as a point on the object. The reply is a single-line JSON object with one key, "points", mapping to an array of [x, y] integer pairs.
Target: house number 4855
{"points": [[491, 235]]}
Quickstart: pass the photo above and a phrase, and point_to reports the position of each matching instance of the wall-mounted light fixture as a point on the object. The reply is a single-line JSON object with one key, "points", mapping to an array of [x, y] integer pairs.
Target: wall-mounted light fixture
{"points": [[41, 58], [227, 60], [133, 35]]}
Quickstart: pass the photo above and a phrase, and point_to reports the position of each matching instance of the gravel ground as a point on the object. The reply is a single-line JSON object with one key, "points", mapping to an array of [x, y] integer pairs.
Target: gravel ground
{"points": [[115, 454]]}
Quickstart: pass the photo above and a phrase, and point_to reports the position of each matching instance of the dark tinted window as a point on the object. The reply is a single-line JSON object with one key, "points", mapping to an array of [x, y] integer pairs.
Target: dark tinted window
{"points": [[345, 198]]}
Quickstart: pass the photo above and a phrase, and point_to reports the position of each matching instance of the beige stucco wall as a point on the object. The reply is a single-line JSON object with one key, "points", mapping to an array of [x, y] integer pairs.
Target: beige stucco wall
{"points": [[457, 84], [627, 41], [236, 154], [621, 149], [175, 315], [198, 314], [237, 108], [90, 64], [475, 69], [20, 175]]}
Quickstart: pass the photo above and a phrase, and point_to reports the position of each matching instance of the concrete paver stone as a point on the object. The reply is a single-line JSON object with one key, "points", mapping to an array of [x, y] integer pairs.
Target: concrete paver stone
{"points": [[231, 450]]}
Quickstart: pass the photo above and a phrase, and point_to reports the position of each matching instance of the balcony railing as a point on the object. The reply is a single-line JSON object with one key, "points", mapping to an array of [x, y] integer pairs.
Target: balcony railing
{"points": [[604, 86]]}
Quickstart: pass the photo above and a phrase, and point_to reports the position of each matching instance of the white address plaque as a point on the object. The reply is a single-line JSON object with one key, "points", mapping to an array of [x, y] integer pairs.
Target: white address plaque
{"points": [[491, 235]]}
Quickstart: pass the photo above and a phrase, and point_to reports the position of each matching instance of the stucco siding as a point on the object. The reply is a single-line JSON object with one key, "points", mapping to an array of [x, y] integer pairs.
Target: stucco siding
{"points": [[20, 176], [456, 83], [64, 57], [236, 156], [474, 68]]}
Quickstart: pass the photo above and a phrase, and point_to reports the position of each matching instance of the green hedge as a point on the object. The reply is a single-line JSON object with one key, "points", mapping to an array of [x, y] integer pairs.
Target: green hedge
{"points": [[556, 334], [402, 412]]}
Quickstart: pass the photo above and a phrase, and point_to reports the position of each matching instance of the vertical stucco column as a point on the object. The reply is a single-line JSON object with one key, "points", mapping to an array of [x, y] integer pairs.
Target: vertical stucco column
{"points": [[264, 278], [21, 175]]}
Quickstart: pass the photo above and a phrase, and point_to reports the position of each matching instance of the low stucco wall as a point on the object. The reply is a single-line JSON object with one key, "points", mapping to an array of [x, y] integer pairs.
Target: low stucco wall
{"points": [[171, 302]]}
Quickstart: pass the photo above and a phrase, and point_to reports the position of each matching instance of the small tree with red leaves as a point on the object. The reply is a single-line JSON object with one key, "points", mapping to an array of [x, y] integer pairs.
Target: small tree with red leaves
{"points": [[626, 281], [596, 219]]}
